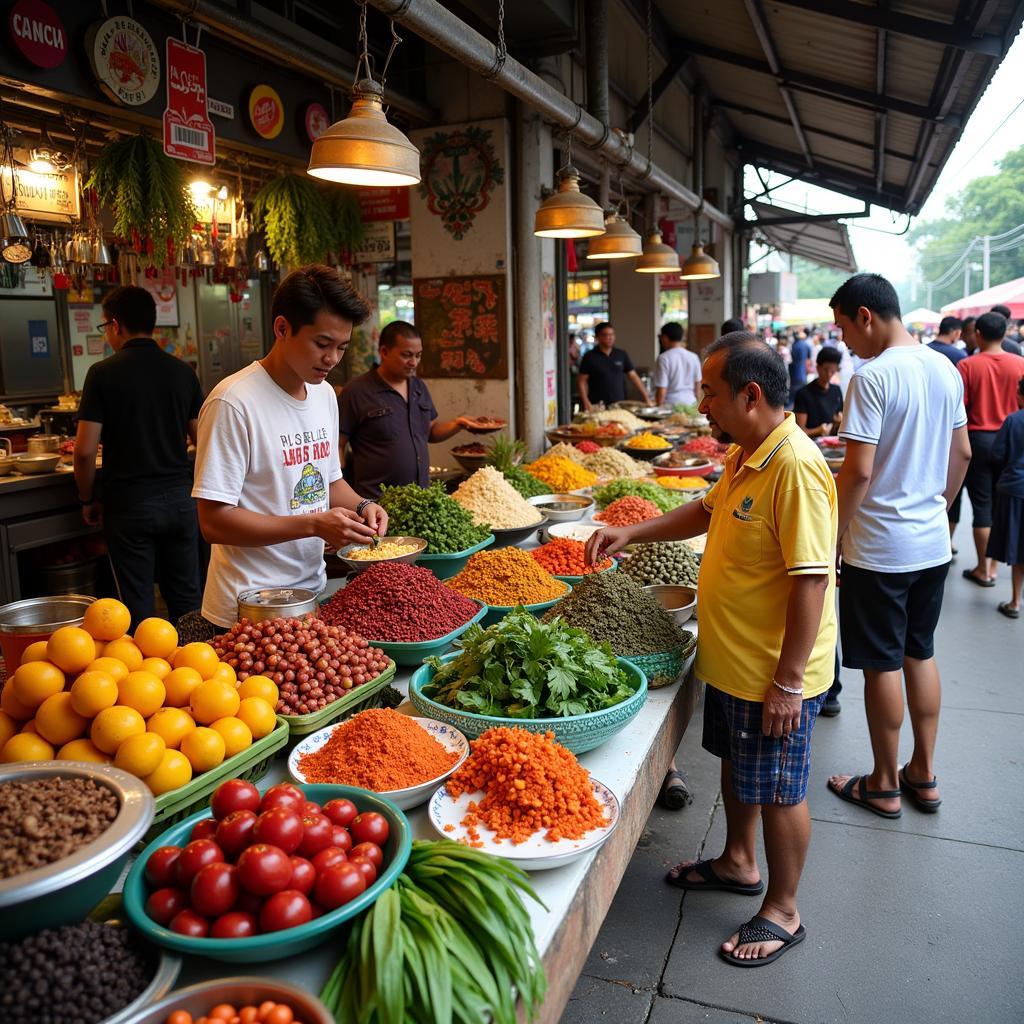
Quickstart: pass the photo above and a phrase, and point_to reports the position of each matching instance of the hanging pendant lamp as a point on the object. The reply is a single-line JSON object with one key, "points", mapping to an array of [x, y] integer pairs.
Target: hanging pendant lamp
{"points": [[619, 240], [657, 258], [568, 213], [699, 266], [15, 244]]}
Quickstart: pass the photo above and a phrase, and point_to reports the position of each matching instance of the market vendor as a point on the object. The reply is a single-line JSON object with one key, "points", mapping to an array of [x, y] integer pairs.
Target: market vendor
{"points": [[268, 478], [388, 417], [818, 405], [604, 370]]}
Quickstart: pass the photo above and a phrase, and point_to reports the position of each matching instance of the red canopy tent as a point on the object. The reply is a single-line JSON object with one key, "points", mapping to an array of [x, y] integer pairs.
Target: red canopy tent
{"points": [[1009, 294]]}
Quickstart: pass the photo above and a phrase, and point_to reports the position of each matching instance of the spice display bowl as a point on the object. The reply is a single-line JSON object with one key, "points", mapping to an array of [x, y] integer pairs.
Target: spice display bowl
{"points": [[645, 454], [414, 653], [573, 580], [563, 508], [198, 1000], [168, 968], [515, 535], [577, 733], [680, 602], [496, 612], [65, 891], [357, 565], [697, 466], [405, 799], [471, 463], [289, 941], [33, 464], [573, 436], [449, 564]]}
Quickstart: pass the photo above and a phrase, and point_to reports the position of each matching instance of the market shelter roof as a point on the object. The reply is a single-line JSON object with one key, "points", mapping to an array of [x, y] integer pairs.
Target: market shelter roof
{"points": [[1009, 294], [822, 241]]}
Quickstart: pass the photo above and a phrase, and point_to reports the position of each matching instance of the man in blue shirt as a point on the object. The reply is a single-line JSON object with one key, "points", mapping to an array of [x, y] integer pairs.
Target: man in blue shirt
{"points": [[949, 335], [801, 353]]}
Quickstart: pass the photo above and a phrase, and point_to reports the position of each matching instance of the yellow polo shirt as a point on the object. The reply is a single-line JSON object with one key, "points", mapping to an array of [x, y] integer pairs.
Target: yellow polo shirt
{"points": [[772, 518]]}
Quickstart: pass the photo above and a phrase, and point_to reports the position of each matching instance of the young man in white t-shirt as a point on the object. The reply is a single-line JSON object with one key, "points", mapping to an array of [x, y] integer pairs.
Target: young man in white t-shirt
{"points": [[906, 455], [268, 479], [677, 371]]}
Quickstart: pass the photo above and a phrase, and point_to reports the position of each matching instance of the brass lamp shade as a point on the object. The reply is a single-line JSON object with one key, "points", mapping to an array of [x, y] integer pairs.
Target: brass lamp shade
{"points": [[699, 266], [618, 242], [364, 148], [568, 213], [657, 258]]}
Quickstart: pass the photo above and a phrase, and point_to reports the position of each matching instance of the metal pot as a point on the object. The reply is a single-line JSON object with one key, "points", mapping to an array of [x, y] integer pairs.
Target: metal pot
{"points": [[31, 464], [41, 444], [276, 603]]}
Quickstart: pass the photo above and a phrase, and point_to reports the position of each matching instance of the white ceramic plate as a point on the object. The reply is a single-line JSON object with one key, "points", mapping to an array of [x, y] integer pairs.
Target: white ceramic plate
{"points": [[449, 737], [573, 531], [537, 853]]}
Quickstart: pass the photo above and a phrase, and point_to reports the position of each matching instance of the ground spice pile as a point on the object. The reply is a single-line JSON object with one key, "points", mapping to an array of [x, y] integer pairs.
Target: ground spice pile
{"points": [[531, 783], [628, 511], [610, 462], [565, 557], [506, 578], [490, 498], [380, 750], [567, 451], [561, 475]]}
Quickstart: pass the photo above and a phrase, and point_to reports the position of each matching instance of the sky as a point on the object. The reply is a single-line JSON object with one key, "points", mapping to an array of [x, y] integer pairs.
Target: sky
{"points": [[878, 241]]}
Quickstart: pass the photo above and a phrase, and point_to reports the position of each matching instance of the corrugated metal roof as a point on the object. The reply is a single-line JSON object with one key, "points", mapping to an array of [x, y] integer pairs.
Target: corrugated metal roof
{"points": [[822, 241]]}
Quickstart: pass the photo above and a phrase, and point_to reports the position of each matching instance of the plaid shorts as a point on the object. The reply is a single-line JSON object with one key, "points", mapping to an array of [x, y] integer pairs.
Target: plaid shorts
{"points": [[765, 770]]}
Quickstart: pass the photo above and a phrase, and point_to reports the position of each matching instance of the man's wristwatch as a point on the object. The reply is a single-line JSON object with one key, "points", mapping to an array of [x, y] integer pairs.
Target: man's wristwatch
{"points": [[87, 501], [361, 507]]}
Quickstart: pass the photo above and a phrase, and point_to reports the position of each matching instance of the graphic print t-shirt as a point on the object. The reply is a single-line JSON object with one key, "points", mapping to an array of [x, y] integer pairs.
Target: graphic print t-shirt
{"points": [[262, 450]]}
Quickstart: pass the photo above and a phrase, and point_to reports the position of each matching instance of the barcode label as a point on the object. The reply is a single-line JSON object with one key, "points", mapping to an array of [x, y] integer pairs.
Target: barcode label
{"points": [[180, 135]]}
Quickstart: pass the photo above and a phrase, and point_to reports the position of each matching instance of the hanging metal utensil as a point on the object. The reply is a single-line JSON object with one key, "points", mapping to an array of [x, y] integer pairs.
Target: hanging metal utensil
{"points": [[100, 253], [40, 254]]}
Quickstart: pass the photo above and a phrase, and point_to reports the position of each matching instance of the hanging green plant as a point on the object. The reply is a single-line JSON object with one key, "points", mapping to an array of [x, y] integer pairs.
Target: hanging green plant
{"points": [[346, 220], [145, 191], [296, 218]]}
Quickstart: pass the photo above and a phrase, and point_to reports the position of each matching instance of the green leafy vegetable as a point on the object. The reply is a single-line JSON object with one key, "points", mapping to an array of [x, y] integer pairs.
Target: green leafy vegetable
{"points": [[665, 499], [433, 515], [505, 456]]}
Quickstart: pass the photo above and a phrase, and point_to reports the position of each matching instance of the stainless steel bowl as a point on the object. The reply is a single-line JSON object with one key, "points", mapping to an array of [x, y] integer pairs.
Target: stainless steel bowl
{"points": [[168, 967], [563, 508], [276, 603], [199, 999], [514, 534], [652, 412], [357, 565], [7, 463], [30, 464], [43, 615], [42, 444], [679, 602]]}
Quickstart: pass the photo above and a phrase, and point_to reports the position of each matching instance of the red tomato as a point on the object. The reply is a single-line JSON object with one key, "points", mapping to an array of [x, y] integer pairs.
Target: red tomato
{"points": [[370, 827], [264, 869], [285, 910], [341, 812], [279, 827], [235, 832], [163, 904], [328, 857], [311, 807], [234, 795], [215, 890], [249, 903], [338, 885], [303, 875], [368, 868], [205, 829], [188, 922], [317, 834], [340, 838], [284, 794], [197, 855], [234, 925], [161, 868], [371, 851], [318, 911]]}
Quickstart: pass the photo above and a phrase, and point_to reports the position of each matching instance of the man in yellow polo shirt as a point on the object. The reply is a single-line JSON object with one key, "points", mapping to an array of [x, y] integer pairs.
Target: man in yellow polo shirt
{"points": [[767, 632]]}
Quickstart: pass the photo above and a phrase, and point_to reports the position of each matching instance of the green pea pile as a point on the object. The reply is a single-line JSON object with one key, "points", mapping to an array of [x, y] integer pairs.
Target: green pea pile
{"points": [[665, 499], [430, 513], [667, 563]]}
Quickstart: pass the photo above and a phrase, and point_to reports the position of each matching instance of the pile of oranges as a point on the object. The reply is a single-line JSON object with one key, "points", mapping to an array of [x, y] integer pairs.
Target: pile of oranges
{"points": [[141, 703]]}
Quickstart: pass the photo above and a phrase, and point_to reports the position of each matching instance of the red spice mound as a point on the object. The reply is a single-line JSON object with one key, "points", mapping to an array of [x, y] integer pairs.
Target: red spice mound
{"points": [[566, 557], [531, 782], [627, 511], [380, 750], [398, 603], [588, 447]]}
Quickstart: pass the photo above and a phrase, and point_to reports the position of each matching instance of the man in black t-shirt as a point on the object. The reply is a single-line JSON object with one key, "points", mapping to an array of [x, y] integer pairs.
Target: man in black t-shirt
{"points": [[604, 369], [141, 404], [819, 403]]}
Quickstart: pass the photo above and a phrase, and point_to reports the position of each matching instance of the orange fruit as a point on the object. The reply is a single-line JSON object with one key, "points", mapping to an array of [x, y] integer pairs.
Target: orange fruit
{"points": [[156, 638], [173, 772], [213, 699], [107, 619], [112, 726], [82, 750], [258, 715], [236, 734], [93, 691], [141, 755], [34, 652], [101, 646], [117, 670], [124, 650], [160, 667], [30, 727], [142, 691], [71, 648], [179, 685], [204, 748], [225, 671], [26, 746], [171, 725], [202, 657], [8, 727], [13, 707], [36, 681], [259, 686], [58, 722]]}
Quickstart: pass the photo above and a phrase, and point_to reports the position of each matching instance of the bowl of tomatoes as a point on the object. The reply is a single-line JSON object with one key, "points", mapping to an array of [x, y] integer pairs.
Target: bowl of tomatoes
{"points": [[261, 876]]}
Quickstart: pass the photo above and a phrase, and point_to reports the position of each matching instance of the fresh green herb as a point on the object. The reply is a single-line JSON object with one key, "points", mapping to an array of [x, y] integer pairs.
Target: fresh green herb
{"points": [[665, 499], [505, 456], [686, 408], [433, 515]]}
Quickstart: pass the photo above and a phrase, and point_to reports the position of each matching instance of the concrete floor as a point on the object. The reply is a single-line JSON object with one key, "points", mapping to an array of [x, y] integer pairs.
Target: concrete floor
{"points": [[913, 920]]}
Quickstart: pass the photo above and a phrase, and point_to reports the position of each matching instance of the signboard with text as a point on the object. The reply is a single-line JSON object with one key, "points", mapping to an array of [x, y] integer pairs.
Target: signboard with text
{"points": [[52, 197], [188, 131], [383, 203], [378, 244], [38, 33]]}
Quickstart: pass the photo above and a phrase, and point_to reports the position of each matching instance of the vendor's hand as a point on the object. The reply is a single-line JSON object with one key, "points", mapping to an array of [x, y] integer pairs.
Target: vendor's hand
{"points": [[92, 514], [466, 422], [376, 519], [780, 714], [340, 526], [606, 542]]}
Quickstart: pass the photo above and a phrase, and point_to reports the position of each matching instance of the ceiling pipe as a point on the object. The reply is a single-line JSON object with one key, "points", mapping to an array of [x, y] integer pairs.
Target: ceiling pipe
{"points": [[438, 26], [597, 79]]}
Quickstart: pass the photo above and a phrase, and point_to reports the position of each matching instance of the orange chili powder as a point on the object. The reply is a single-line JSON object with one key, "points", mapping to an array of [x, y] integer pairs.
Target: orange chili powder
{"points": [[531, 782], [380, 750]]}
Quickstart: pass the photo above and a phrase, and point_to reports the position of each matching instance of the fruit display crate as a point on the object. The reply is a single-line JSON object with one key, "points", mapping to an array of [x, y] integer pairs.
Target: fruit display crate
{"points": [[357, 699]]}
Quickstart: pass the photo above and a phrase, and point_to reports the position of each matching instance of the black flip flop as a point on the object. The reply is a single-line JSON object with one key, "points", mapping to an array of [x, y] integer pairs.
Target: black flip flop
{"points": [[760, 929], [968, 574], [675, 794], [912, 790], [711, 883], [861, 800], [1004, 609]]}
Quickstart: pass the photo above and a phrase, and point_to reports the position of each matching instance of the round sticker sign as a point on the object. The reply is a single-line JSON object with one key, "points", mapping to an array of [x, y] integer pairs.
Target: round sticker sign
{"points": [[124, 59], [38, 33], [317, 121], [266, 112]]}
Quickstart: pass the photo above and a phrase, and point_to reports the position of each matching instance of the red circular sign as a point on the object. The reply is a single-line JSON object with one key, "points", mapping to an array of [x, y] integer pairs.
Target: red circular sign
{"points": [[317, 121], [38, 33]]}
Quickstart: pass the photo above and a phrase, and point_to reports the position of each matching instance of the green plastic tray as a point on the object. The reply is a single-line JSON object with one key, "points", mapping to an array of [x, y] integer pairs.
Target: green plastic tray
{"points": [[414, 653], [357, 699], [496, 612], [447, 565]]}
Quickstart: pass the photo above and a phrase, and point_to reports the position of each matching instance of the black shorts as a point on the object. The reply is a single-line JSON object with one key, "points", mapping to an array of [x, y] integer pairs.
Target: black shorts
{"points": [[982, 475], [886, 616]]}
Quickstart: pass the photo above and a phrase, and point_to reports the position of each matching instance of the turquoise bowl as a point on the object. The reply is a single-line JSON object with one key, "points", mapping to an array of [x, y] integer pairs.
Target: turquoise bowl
{"points": [[496, 612], [577, 733], [573, 580], [447, 565], [272, 945], [414, 653]]}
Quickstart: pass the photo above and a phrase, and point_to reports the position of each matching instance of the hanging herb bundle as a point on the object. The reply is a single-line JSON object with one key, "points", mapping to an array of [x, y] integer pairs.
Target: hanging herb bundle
{"points": [[145, 190], [346, 221], [296, 217]]}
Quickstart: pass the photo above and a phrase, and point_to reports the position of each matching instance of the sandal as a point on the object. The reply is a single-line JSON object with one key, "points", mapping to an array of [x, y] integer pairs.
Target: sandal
{"points": [[912, 788], [1005, 609], [760, 929], [969, 574], [864, 795], [674, 794], [712, 882]]}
